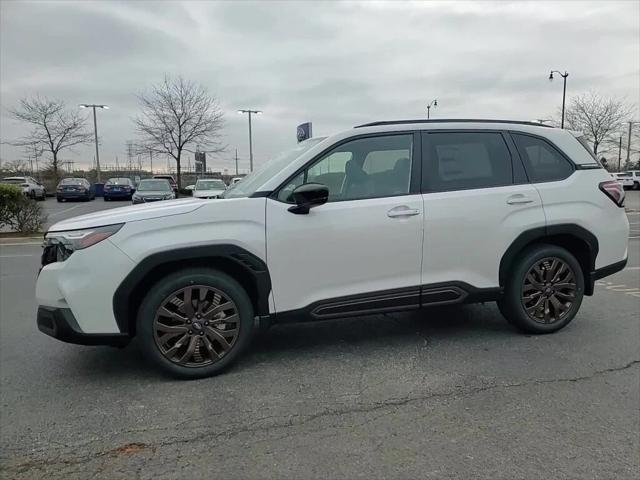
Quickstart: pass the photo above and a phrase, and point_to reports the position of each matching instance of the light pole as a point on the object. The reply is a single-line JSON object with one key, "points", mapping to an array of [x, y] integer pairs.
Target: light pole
{"points": [[257, 112], [95, 133], [629, 142], [564, 90], [434, 103]]}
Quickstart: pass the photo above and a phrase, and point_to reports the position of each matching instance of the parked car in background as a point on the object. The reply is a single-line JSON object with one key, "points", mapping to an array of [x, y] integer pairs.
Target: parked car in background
{"points": [[30, 186], [153, 190], [630, 179], [75, 189], [209, 188], [513, 212], [170, 179], [118, 188]]}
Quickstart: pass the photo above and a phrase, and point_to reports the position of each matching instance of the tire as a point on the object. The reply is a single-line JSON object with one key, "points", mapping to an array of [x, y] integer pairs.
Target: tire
{"points": [[32, 194], [636, 185], [106, 199], [151, 318], [543, 315]]}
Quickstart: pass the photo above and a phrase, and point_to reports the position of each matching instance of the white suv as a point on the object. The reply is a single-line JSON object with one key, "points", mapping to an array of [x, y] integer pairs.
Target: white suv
{"points": [[630, 179], [388, 216], [30, 187]]}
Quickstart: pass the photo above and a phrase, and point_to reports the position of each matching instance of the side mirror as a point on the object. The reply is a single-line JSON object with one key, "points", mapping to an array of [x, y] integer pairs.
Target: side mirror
{"points": [[308, 196]]}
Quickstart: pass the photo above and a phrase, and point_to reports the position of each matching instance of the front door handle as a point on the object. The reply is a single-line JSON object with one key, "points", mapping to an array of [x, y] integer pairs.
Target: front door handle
{"points": [[402, 211], [519, 199]]}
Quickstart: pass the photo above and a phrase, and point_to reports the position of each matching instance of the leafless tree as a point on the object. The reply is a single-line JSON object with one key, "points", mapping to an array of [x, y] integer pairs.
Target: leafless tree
{"points": [[53, 127], [179, 114], [599, 118], [15, 167]]}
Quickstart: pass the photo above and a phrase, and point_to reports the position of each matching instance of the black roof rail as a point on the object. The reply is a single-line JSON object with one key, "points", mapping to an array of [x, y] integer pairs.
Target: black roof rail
{"points": [[451, 120]]}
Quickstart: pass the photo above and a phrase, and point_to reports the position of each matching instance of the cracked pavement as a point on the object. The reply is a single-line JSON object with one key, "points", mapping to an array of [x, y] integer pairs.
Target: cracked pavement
{"points": [[444, 393]]}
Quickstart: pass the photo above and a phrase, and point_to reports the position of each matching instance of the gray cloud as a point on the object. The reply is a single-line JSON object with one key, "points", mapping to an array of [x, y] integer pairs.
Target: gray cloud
{"points": [[336, 64]]}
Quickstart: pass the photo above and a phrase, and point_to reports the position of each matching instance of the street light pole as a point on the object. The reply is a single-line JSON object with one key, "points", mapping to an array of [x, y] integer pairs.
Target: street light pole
{"points": [[434, 103], [95, 133], [257, 112], [564, 90]]}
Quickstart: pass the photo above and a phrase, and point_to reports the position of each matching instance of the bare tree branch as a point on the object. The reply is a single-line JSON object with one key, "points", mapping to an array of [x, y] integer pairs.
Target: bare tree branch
{"points": [[600, 119], [176, 114], [53, 127]]}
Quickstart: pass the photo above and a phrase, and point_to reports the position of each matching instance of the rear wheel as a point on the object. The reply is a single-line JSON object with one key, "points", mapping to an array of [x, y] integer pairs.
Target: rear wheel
{"points": [[195, 323], [636, 185], [544, 290]]}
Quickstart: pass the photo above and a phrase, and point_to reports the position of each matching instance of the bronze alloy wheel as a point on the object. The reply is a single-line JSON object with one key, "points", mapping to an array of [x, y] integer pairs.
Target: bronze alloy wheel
{"points": [[549, 290], [196, 326]]}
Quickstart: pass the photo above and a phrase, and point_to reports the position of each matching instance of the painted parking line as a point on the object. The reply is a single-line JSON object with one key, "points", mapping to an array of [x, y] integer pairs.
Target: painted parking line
{"points": [[13, 256], [620, 288], [19, 244]]}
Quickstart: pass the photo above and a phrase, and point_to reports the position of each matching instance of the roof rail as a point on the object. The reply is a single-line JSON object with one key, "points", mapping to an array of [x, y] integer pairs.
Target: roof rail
{"points": [[451, 120]]}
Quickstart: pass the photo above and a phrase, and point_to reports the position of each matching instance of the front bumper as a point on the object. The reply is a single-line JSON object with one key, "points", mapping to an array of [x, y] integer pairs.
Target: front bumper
{"points": [[72, 195], [60, 323]]}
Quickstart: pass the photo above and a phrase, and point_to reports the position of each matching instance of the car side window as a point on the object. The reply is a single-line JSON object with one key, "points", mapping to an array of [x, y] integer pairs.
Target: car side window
{"points": [[542, 161], [370, 167], [465, 160]]}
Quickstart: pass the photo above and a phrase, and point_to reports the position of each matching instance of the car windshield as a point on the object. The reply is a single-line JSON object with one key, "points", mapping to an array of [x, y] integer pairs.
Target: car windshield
{"points": [[71, 181], [210, 185], [119, 181], [154, 185], [253, 181]]}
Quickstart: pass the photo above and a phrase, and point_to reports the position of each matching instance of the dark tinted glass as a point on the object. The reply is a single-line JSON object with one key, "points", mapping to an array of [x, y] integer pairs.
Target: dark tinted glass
{"points": [[541, 160], [465, 160]]}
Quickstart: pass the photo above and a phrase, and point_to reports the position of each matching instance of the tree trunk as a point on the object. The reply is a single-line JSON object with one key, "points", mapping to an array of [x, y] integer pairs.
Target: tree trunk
{"points": [[55, 166], [595, 147], [178, 180]]}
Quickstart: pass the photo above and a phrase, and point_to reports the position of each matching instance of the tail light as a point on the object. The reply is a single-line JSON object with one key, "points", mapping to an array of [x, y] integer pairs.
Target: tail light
{"points": [[614, 191]]}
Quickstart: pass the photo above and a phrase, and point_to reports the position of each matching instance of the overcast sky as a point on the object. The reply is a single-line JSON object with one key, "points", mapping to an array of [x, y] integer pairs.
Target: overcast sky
{"points": [[335, 64]]}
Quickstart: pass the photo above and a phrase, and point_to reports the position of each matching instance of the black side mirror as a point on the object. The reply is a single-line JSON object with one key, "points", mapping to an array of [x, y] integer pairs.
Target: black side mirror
{"points": [[308, 196]]}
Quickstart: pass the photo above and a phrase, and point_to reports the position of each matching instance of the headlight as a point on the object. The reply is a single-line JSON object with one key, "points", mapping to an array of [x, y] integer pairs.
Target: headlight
{"points": [[65, 243]]}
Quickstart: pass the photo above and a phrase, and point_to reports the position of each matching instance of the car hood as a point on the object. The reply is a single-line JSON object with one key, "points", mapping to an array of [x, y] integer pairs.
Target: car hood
{"points": [[207, 193], [129, 214], [152, 193]]}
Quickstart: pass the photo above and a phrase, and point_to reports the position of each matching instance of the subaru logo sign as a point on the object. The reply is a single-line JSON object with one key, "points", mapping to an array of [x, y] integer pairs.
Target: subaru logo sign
{"points": [[303, 131]]}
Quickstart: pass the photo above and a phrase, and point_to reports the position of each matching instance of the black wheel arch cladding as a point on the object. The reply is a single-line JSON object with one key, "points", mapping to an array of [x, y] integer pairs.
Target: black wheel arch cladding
{"points": [[245, 267]]}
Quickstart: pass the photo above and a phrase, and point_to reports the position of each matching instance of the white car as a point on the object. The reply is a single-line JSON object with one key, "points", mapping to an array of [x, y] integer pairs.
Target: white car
{"points": [[30, 186], [630, 179], [385, 217], [209, 188]]}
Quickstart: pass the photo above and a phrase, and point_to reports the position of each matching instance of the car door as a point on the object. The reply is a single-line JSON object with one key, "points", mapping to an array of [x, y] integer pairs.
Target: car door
{"points": [[477, 201], [361, 251]]}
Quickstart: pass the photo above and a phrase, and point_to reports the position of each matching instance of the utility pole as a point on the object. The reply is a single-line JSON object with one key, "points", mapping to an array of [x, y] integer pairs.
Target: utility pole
{"points": [[619, 152], [95, 132], [151, 161], [564, 90], [236, 162], [257, 112], [629, 143]]}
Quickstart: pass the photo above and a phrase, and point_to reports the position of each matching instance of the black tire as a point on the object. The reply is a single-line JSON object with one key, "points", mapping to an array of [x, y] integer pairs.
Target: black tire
{"points": [[512, 304], [106, 199], [60, 199], [164, 289], [32, 195], [636, 185]]}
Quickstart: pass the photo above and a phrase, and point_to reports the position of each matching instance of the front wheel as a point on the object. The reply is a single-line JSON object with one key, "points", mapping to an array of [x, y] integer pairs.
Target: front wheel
{"points": [[195, 323], [544, 290]]}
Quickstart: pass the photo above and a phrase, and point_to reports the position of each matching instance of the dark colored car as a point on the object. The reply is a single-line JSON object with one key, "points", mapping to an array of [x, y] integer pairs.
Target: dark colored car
{"points": [[153, 190], [170, 179], [118, 188], [75, 189]]}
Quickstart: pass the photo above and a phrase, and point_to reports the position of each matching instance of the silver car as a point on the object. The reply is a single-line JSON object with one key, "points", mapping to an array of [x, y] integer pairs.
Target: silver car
{"points": [[153, 190]]}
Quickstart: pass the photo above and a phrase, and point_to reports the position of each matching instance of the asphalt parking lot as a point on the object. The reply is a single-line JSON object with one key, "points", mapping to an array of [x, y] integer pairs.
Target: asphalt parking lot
{"points": [[445, 393]]}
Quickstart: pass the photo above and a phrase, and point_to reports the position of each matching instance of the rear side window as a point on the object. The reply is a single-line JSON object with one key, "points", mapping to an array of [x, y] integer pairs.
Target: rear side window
{"points": [[465, 160], [541, 160]]}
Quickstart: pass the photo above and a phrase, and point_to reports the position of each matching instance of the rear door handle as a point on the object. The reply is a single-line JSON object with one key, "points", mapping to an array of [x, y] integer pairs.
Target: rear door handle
{"points": [[519, 199], [402, 211]]}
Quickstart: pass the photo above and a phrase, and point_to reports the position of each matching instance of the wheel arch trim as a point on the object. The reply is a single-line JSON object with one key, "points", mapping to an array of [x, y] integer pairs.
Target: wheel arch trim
{"points": [[540, 234], [128, 296]]}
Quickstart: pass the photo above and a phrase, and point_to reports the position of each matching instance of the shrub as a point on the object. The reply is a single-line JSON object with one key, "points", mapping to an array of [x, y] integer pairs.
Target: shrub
{"points": [[19, 212]]}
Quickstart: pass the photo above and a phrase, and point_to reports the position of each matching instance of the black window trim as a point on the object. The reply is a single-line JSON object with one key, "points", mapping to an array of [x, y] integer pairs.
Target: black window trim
{"points": [[416, 165], [553, 146], [516, 176]]}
